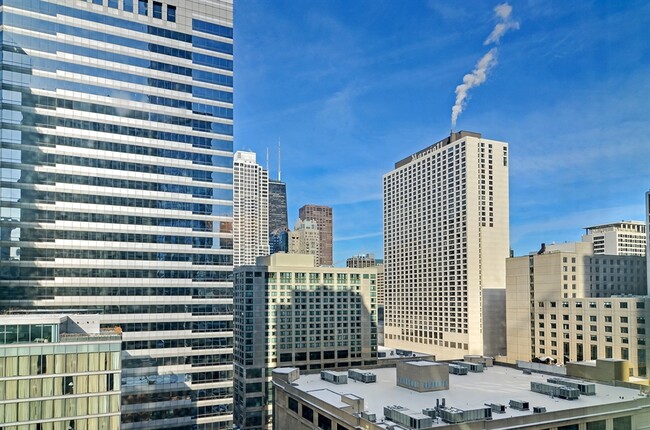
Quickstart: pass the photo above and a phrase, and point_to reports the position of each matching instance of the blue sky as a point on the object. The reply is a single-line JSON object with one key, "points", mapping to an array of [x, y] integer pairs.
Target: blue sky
{"points": [[351, 87]]}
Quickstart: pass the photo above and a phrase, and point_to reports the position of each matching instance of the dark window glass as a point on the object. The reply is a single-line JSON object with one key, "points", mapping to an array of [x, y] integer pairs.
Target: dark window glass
{"points": [[293, 404], [143, 7], [157, 10], [623, 423], [324, 423], [97, 1], [128, 5], [113, 4], [171, 13], [307, 413]]}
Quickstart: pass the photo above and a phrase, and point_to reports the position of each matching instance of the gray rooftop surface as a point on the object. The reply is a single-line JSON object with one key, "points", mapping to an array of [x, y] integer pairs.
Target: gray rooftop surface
{"points": [[495, 385]]}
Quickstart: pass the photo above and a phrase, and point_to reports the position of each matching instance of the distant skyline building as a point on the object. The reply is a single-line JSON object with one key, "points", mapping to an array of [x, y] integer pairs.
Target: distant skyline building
{"points": [[279, 241], [570, 304], [446, 239], [250, 209], [618, 238], [323, 216], [278, 218], [361, 260], [305, 239], [117, 189], [288, 312]]}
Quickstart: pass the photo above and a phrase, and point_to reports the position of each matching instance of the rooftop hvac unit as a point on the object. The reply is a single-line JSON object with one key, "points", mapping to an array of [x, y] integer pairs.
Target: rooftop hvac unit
{"points": [[454, 415], [406, 417], [497, 407], [455, 369], [519, 405], [368, 416], [472, 367], [585, 388], [555, 390], [539, 409], [362, 376], [334, 377], [431, 412]]}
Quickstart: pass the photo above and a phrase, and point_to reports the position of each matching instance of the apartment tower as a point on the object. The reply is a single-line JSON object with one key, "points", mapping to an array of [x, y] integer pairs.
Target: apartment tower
{"points": [[250, 209], [116, 175], [323, 217], [446, 239], [288, 312]]}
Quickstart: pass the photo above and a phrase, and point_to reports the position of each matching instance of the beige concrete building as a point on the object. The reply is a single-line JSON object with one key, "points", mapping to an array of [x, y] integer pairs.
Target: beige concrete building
{"points": [[305, 402], [361, 260], [569, 304], [446, 238], [305, 239], [618, 238], [290, 312], [250, 209], [324, 218]]}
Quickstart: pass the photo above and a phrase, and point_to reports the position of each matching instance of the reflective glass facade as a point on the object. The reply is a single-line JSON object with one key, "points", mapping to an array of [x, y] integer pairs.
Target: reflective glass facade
{"points": [[116, 188]]}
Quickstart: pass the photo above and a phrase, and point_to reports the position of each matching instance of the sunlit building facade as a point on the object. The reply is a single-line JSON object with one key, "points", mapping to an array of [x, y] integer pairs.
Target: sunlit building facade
{"points": [[116, 170], [250, 209], [446, 239], [289, 312]]}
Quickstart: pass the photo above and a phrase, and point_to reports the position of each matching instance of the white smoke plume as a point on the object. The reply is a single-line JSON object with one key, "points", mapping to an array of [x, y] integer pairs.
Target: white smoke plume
{"points": [[503, 12], [489, 60], [471, 80]]}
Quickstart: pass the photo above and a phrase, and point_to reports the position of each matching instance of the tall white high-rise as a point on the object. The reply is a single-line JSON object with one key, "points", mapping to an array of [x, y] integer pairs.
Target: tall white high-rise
{"points": [[446, 239], [250, 209]]}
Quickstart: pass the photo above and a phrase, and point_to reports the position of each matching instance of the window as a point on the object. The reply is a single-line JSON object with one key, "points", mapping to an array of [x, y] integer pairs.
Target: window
{"points": [[324, 423], [623, 305], [127, 5], [293, 404], [143, 7], [171, 13], [157, 10], [307, 413]]}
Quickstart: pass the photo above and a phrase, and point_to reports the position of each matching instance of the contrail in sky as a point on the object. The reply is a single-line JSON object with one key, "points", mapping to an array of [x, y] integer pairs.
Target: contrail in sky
{"points": [[489, 60]]}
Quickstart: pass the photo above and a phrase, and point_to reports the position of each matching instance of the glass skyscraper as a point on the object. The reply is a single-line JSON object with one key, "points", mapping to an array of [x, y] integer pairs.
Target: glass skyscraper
{"points": [[116, 192]]}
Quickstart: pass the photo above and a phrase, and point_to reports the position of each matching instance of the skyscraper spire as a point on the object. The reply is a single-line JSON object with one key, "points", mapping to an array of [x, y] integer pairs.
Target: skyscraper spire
{"points": [[279, 166]]}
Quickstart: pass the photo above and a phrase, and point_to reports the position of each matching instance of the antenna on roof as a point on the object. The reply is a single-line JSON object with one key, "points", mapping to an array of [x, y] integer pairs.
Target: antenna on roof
{"points": [[279, 166]]}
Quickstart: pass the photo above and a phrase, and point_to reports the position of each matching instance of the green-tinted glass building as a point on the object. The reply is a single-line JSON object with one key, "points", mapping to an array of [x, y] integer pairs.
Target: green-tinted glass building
{"points": [[54, 375]]}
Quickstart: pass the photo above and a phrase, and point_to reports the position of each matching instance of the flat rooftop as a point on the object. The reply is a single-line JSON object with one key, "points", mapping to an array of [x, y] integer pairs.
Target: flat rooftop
{"points": [[495, 385]]}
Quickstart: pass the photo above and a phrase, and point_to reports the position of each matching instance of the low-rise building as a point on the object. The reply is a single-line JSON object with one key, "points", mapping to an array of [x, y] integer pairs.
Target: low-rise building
{"points": [[568, 304], [59, 372], [498, 398], [290, 312]]}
